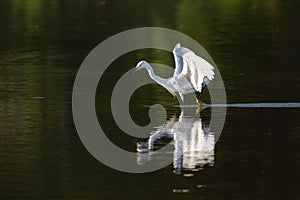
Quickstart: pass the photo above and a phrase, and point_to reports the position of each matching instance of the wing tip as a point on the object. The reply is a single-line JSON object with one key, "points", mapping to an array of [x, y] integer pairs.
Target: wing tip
{"points": [[177, 46]]}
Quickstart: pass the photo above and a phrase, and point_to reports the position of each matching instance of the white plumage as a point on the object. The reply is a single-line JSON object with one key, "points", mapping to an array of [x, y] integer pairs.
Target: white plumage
{"points": [[192, 73]]}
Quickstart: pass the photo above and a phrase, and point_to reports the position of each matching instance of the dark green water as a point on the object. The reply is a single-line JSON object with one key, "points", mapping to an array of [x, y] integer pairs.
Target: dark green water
{"points": [[255, 45]]}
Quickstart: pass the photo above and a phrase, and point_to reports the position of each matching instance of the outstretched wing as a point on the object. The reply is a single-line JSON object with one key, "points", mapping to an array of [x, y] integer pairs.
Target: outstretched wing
{"points": [[178, 53], [192, 67]]}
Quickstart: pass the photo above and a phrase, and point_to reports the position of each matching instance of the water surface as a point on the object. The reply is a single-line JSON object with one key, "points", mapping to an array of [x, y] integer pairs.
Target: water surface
{"points": [[254, 44]]}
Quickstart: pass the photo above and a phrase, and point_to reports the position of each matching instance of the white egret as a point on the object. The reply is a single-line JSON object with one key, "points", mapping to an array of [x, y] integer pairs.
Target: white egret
{"points": [[192, 73]]}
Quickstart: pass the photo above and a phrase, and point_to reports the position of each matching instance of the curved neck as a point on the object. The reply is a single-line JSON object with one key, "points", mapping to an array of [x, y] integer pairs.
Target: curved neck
{"points": [[154, 77]]}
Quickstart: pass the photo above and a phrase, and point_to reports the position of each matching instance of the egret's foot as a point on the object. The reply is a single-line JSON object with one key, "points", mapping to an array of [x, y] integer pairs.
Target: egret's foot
{"points": [[198, 109], [199, 106]]}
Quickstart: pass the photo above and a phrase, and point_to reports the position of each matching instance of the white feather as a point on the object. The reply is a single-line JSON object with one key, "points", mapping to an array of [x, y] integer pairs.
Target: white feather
{"points": [[190, 74], [192, 67]]}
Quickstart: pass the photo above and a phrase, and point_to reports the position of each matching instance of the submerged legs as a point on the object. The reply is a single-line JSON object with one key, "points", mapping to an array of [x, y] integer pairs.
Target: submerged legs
{"points": [[198, 101]]}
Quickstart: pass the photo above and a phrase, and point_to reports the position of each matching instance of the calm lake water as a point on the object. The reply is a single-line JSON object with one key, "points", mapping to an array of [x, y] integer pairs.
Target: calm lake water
{"points": [[255, 45]]}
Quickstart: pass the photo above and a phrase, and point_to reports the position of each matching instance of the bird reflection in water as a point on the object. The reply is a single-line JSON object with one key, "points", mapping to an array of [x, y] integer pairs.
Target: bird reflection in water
{"points": [[193, 143]]}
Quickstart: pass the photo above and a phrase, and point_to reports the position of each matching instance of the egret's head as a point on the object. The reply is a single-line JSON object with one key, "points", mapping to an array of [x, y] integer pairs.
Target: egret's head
{"points": [[142, 64]]}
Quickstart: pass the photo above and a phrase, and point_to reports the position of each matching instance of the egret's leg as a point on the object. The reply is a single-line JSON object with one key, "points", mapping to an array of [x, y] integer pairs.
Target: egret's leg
{"points": [[199, 105], [198, 94], [198, 101]]}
